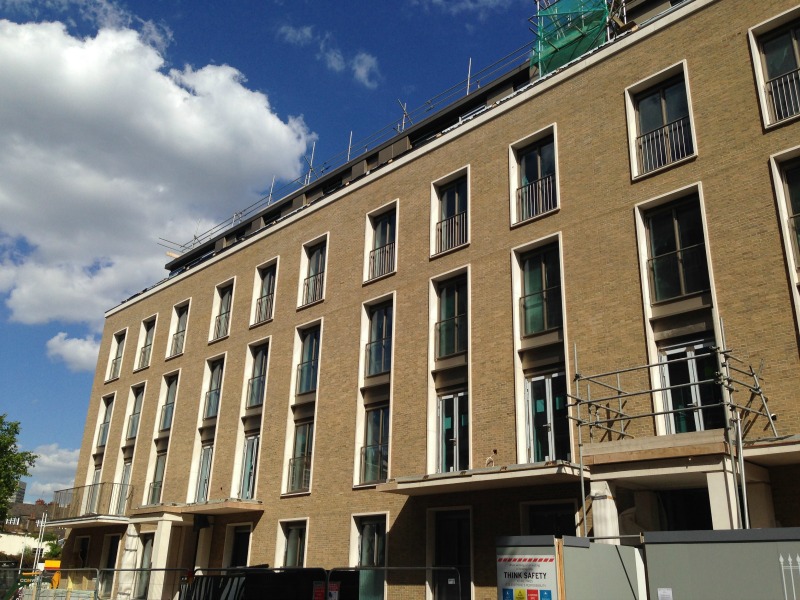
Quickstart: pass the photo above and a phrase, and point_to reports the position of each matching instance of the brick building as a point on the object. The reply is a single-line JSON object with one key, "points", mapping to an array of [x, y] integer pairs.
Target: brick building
{"points": [[407, 358]]}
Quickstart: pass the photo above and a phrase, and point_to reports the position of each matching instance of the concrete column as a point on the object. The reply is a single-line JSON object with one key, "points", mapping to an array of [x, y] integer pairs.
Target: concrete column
{"points": [[127, 562], [203, 548], [722, 497], [160, 560], [605, 518]]}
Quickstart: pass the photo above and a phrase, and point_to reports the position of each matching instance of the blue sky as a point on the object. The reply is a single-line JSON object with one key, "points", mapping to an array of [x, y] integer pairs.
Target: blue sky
{"points": [[125, 122]]}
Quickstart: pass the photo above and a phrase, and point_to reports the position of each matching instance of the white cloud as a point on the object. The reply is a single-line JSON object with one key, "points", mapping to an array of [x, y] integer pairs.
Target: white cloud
{"points": [[54, 470], [104, 152], [455, 7], [365, 70], [79, 354], [299, 36]]}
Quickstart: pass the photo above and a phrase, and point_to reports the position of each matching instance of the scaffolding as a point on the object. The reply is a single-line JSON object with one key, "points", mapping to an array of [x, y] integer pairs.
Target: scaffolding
{"points": [[620, 404]]}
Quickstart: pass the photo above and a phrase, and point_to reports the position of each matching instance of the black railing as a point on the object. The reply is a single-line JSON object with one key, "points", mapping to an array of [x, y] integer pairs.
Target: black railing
{"points": [[307, 377], [451, 336], [313, 287], [212, 404], [102, 434], [264, 308], [154, 495], [381, 261], [536, 198], [221, 325], [299, 473], [784, 96], [451, 232], [665, 145], [378, 356], [95, 499], [144, 356], [374, 463], [115, 367], [166, 416], [177, 342], [679, 273], [540, 311], [255, 391]]}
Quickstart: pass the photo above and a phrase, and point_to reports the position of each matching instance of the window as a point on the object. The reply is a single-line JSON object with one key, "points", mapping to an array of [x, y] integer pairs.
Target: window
{"points": [[179, 336], [133, 420], [371, 553], [169, 403], [204, 474], [149, 328], [93, 497], [664, 130], [548, 420], [124, 488], [116, 361], [540, 304], [536, 184], [451, 225], [154, 497], [379, 347], [295, 544], [375, 452], [214, 389], [689, 376], [222, 320], [677, 265], [258, 380], [453, 413], [780, 54], [309, 361], [382, 254], [266, 297], [791, 185], [249, 465], [107, 408], [300, 462], [451, 328], [240, 546], [314, 283], [452, 548]]}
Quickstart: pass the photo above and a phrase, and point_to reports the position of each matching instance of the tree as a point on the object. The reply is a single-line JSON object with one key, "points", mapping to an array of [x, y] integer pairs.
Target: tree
{"points": [[14, 463]]}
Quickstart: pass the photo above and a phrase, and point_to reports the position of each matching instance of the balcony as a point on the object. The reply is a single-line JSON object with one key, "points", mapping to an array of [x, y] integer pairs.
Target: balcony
{"points": [[540, 311], [177, 343], [166, 416], [451, 336], [374, 463], [133, 425], [255, 391], [102, 434], [451, 232], [679, 273], [96, 500], [264, 308], [221, 325], [144, 356], [313, 288], [378, 357], [307, 377], [665, 145], [381, 261], [212, 404], [784, 96], [536, 198], [299, 474]]}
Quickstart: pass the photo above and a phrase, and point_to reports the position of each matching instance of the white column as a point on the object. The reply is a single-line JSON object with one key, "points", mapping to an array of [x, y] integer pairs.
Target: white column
{"points": [[130, 552], [722, 497], [160, 559], [605, 518]]}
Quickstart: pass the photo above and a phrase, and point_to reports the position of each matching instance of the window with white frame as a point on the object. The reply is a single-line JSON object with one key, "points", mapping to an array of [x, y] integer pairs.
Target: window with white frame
{"points": [[294, 543], [451, 210], [146, 349], [247, 486], [547, 418], [371, 553], [136, 411], [381, 259], [204, 472], [124, 489], [168, 408], [257, 383], [154, 491], [533, 172], [790, 183], [300, 461], [451, 325], [375, 451], [106, 409], [223, 315], [776, 46], [237, 545], [211, 406], [540, 303], [313, 288], [308, 367], [265, 300], [180, 320], [378, 353], [453, 432], [117, 348]]}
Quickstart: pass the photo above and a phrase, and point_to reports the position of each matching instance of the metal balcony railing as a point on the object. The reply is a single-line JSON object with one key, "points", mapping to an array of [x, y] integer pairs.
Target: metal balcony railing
{"points": [[166, 416], [264, 308], [378, 356], [177, 343], [221, 325], [536, 198], [451, 232], [115, 367], [381, 261], [540, 311], [307, 376], [102, 434], [133, 425], [313, 287], [451, 336], [212, 404], [299, 473], [154, 494], [374, 463], [255, 391], [102, 499], [665, 145], [679, 273], [784, 96], [144, 356]]}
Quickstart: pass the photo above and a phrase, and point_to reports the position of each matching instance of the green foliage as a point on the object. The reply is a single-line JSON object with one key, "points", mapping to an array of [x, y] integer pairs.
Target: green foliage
{"points": [[53, 550], [14, 463]]}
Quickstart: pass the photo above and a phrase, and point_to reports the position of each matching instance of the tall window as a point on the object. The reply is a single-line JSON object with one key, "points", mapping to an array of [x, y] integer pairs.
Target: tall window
{"points": [[382, 255], [179, 337], [107, 408], [300, 462], [540, 305], [240, 546], [249, 465], [123, 489], [371, 553], [314, 283], [258, 380], [453, 432], [169, 403], [791, 182], [451, 226], [133, 420], [780, 53], [204, 473], [688, 374], [548, 422], [116, 362], [266, 297], [452, 548], [375, 453], [309, 361], [379, 347], [214, 389], [147, 345], [664, 127], [451, 328], [154, 496], [223, 318], [295, 548], [677, 264], [536, 191]]}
